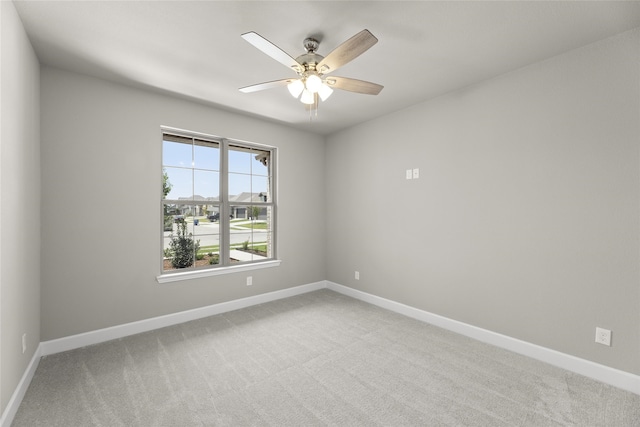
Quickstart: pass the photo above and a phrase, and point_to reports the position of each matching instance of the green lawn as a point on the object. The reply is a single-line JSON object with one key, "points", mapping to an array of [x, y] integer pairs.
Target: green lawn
{"points": [[261, 225], [216, 248], [210, 248]]}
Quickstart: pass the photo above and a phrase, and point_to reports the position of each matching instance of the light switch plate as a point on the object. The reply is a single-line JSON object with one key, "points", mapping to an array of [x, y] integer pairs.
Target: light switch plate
{"points": [[416, 173]]}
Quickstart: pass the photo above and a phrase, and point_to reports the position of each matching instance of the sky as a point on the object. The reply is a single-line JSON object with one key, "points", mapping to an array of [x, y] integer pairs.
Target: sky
{"points": [[246, 174]]}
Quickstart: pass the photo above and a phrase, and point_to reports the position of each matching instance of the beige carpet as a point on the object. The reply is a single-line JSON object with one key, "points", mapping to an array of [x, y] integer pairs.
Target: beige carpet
{"points": [[316, 359]]}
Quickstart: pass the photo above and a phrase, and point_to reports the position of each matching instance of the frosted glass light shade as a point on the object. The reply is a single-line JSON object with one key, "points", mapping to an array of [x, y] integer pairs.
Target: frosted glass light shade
{"points": [[295, 88], [325, 92], [314, 83], [307, 97]]}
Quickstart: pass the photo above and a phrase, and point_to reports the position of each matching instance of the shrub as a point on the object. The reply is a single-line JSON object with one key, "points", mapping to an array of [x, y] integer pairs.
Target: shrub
{"points": [[213, 259], [182, 246], [245, 245], [168, 222]]}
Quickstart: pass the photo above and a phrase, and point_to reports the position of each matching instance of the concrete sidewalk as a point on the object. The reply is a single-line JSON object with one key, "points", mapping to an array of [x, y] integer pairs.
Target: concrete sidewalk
{"points": [[245, 256]]}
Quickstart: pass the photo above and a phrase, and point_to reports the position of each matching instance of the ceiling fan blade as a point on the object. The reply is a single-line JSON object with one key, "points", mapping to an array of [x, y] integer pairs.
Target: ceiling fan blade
{"points": [[347, 51], [265, 85], [272, 50], [353, 85]]}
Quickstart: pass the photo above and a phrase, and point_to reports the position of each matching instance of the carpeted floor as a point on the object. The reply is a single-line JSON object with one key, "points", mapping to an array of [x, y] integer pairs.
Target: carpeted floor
{"points": [[316, 359]]}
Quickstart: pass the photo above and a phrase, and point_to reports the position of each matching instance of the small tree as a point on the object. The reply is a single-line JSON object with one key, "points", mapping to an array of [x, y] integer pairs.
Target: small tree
{"points": [[182, 246], [166, 185], [255, 212], [166, 188]]}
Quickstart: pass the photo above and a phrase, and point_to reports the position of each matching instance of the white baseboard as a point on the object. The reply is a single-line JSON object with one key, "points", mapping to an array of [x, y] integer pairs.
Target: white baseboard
{"points": [[120, 331], [17, 396], [605, 374]]}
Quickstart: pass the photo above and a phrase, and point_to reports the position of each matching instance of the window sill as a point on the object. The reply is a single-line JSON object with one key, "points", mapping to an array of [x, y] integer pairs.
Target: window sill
{"points": [[196, 274]]}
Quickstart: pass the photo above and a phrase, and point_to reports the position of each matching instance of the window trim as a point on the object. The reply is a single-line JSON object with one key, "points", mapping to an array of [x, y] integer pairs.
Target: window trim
{"points": [[193, 273], [216, 271]]}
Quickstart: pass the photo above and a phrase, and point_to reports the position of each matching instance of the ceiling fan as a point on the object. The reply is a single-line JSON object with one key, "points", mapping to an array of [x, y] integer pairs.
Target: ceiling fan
{"points": [[312, 69]]}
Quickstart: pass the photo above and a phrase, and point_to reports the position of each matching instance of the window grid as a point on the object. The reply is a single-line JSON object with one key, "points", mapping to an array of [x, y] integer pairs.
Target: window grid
{"points": [[220, 235]]}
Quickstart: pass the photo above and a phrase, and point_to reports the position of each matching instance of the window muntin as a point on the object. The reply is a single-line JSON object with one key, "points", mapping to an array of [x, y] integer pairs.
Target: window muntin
{"points": [[219, 208]]}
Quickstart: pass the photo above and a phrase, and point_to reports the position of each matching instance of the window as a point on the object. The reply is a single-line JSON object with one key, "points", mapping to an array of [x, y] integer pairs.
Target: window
{"points": [[218, 203]]}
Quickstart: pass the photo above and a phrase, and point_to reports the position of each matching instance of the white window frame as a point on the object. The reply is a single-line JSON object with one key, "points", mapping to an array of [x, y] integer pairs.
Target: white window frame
{"points": [[225, 267]]}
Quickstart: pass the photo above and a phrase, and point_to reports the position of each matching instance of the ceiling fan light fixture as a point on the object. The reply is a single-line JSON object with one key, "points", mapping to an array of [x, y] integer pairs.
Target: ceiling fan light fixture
{"points": [[325, 92], [307, 97], [313, 83], [295, 88]]}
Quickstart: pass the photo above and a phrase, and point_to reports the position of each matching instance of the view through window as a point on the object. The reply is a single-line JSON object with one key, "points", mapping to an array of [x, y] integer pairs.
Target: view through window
{"points": [[217, 202]]}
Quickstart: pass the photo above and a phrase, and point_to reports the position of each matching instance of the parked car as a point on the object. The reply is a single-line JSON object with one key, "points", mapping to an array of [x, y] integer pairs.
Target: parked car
{"points": [[216, 217], [178, 218]]}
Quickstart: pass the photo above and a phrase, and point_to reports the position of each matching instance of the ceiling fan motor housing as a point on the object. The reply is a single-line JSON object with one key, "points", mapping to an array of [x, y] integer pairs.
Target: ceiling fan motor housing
{"points": [[309, 60]]}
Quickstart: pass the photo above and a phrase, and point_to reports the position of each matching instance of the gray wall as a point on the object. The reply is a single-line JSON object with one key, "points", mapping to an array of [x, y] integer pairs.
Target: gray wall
{"points": [[101, 181], [20, 202], [524, 220]]}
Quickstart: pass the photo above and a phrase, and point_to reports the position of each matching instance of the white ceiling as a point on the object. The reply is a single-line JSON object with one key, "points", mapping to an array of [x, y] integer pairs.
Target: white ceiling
{"points": [[425, 48]]}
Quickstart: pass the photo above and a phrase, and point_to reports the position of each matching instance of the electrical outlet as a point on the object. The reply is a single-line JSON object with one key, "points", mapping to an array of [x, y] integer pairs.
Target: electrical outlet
{"points": [[24, 343], [416, 173], [409, 174], [357, 275], [603, 336], [249, 280]]}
